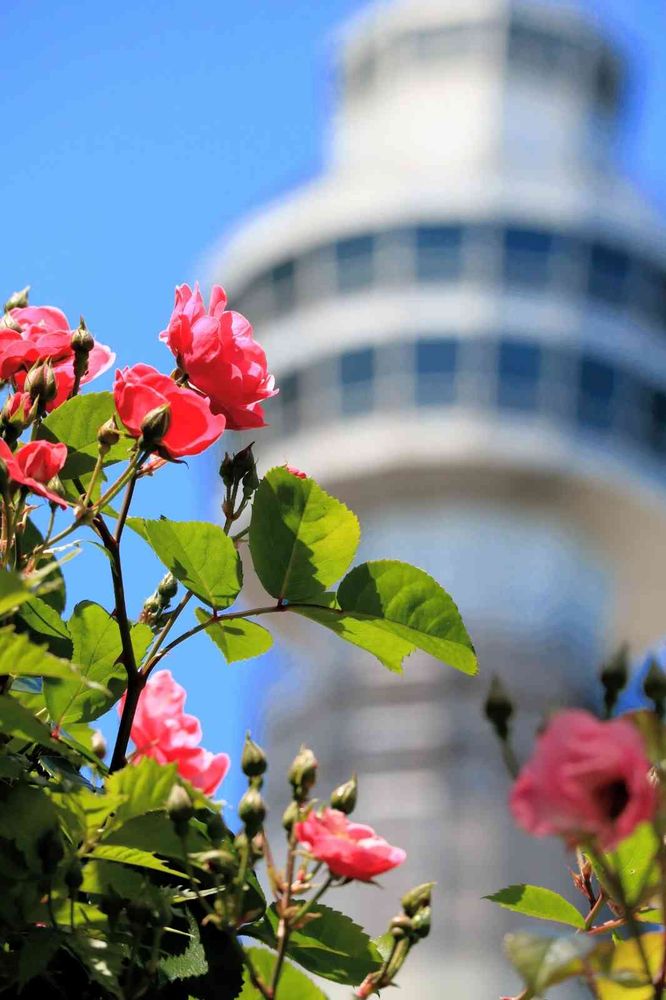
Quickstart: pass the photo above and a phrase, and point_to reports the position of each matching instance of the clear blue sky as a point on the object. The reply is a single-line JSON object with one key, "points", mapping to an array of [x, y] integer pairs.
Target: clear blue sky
{"points": [[136, 133]]}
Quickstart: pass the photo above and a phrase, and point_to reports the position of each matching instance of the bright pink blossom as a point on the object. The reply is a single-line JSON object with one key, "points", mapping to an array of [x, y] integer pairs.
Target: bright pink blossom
{"points": [[350, 850], [44, 335], [296, 472], [217, 349], [163, 731], [587, 778], [33, 465], [141, 389]]}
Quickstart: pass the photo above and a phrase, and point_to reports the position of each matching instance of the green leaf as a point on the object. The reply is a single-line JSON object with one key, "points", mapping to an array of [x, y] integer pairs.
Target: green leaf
{"points": [[23, 658], [189, 963], [635, 862], [17, 721], [96, 649], [544, 961], [301, 539], [75, 423], [623, 977], [238, 639], [39, 947], [293, 985], [155, 832], [46, 626], [141, 636], [142, 788], [13, 591], [534, 901], [331, 946], [130, 856], [391, 608], [102, 960], [102, 877], [198, 554]]}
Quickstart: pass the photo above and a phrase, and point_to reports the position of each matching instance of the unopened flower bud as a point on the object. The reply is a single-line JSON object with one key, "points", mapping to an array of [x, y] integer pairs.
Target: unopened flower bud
{"points": [[154, 426], [290, 816], [400, 927], [303, 773], [82, 339], [55, 485], [417, 898], [18, 300], [498, 708], [614, 676], [40, 383], [98, 744], [167, 587], [139, 912], [152, 609], [654, 686], [108, 435], [253, 759], [74, 876], [421, 922], [252, 811], [227, 470], [50, 851], [221, 862], [344, 796], [179, 807], [216, 827]]}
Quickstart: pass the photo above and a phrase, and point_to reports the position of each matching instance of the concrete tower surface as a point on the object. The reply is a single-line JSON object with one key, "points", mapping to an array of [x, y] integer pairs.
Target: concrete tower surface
{"points": [[467, 318]]}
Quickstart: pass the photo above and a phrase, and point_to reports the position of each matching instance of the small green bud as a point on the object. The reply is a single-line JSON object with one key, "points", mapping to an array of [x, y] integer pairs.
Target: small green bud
{"points": [[654, 686], [252, 811], [344, 796], [18, 300], [108, 435], [227, 470], [303, 773], [498, 708], [421, 922], [55, 485], [40, 383], [167, 588], [154, 426], [179, 806], [50, 851], [74, 876], [82, 339], [112, 905], [417, 898], [290, 816], [400, 927], [216, 827], [253, 759]]}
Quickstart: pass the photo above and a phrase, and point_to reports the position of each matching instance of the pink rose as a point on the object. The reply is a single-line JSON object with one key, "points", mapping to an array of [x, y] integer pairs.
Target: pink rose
{"points": [[34, 465], [45, 335], [586, 779], [141, 389], [350, 850], [296, 472], [222, 360], [163, 731]]}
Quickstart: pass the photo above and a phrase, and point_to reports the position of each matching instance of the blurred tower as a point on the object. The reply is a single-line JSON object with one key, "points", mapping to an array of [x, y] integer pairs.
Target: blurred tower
{"points": [[467, 318]]}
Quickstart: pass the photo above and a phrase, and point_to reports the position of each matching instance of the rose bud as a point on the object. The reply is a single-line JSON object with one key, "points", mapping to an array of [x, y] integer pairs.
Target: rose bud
{"points": [[40, 383], [303, 773], [253, 760], [417, 898], [252, 811], [344, 796], [180, 808], [108, 435], [18, 300]]}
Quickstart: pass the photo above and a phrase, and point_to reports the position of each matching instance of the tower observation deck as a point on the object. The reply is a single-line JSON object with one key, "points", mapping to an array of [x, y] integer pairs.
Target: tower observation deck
{"points": [[466, 315]]}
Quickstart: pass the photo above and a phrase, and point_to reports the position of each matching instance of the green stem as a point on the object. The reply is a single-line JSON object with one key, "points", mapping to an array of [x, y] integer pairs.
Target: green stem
{"points": [[166, 628], [250, 613], [283, 925]]}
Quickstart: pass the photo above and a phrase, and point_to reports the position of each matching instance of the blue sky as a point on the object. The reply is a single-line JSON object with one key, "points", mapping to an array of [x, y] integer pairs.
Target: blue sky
{"points": [[136, 134]]}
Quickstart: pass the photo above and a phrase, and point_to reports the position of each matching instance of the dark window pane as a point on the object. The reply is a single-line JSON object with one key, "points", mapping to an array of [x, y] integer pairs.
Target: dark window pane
{"points": [[438, 252], [657, 421], [354, 261], [435, 371], [608, 273], [519, 371], [284, 289], [356, 374], [289, 400], [596, 393], [527, 256]]}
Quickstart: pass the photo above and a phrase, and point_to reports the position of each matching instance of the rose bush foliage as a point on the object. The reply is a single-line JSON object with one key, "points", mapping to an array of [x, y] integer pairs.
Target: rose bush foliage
{"points": [[119, 874]]}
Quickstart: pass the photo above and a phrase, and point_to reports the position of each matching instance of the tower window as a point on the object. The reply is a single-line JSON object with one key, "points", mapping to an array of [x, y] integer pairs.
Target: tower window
{"points": [[355, 262], [284, 288], [289, 401], [435, 371], [609, 268], [596, 393], [519, 372], [438, 252], [357, 369], [527, 256]]}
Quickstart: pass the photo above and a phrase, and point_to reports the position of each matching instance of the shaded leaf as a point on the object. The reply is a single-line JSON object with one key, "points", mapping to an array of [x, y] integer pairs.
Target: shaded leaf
{"points": [[46, 626], [545, 961], [238, 639], [75, 423], [625, 977], [301, 539], [293, 985], [130, 856], [13, 591], [17, 721]]}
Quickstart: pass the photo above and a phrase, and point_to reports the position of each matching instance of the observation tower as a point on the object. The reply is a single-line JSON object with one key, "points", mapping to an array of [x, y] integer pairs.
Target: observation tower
{"points": [[466, 314]]}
